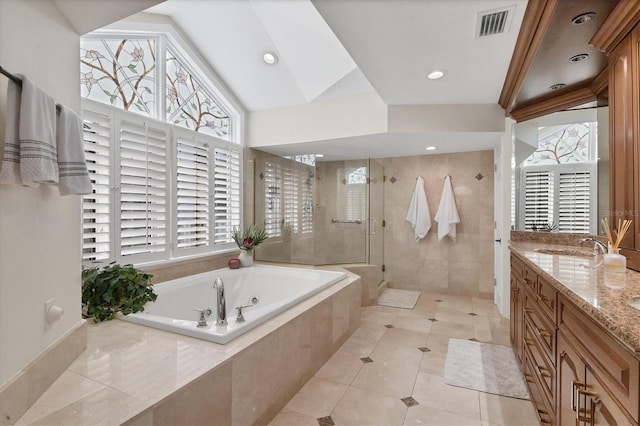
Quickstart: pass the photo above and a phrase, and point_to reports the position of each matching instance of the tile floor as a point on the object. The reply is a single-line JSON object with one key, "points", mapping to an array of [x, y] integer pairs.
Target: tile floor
{"points": [[391, 371]]}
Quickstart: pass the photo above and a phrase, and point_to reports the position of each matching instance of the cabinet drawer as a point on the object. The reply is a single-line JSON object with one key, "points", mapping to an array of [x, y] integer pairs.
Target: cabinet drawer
{"points": [[517, 266], [540, 363], [540, 403], [615, 365], [541, 326], [547, 298], [530, 279]]}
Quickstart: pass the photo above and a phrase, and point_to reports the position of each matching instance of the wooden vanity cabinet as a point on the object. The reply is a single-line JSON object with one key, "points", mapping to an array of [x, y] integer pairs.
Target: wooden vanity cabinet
{"points": [[516, 314]]}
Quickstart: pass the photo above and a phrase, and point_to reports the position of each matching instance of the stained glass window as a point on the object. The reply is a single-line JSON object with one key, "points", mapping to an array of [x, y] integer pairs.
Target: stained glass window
{"points": [[120, 72], [189, 104], [564, 144]]}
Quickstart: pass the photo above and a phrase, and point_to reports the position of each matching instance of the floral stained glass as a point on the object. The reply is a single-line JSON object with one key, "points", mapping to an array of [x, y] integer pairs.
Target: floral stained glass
{"points": [[119, 72], [565, 144], [189, 104]]}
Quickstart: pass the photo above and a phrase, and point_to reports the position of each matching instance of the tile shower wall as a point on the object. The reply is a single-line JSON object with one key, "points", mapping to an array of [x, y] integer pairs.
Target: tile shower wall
{"points": [[463, 267]]}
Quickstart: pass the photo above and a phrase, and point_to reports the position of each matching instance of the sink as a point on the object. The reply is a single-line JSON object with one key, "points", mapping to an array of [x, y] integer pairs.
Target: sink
{"points": [[565, 252], [634, 302]]}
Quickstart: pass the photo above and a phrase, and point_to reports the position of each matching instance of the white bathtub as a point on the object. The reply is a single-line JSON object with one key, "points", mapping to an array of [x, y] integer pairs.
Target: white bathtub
{"points": [[276, 289]]}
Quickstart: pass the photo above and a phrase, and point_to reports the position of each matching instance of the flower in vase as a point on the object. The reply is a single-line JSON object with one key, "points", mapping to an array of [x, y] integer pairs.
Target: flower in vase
{"points": [[249, 237]]}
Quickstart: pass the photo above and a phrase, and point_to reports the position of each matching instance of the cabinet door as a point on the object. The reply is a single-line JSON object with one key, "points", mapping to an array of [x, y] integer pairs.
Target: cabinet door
{"points": [[597, 406], [516, 320], [571, 376]]}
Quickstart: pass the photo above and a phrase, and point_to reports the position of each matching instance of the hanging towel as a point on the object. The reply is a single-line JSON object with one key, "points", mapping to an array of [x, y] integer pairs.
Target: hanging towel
{"points": [[418, 214], [38, 157], [74, 178], [447, 215], [10, 168]]}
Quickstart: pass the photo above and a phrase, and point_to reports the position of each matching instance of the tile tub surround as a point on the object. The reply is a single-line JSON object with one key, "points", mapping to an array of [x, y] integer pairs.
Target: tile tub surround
{"points": [[464, 267], [602, 295], [139, 375]]}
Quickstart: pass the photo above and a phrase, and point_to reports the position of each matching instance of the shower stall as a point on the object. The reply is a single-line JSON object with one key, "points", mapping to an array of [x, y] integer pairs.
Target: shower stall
{"points": [[319, 212]]}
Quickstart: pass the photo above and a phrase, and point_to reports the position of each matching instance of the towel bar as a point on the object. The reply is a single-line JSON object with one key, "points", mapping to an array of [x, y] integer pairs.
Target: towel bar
{"points": [[358, 221]]}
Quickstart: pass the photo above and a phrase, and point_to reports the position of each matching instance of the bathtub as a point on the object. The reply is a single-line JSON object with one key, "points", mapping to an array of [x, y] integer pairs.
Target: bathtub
{"points": [[269, 289]]}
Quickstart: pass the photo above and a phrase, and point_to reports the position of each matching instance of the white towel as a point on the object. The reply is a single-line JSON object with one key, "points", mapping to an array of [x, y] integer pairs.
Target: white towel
{"points": [[10, 168], [418, 214], [447, 215], [74, 178], [38, 157]]}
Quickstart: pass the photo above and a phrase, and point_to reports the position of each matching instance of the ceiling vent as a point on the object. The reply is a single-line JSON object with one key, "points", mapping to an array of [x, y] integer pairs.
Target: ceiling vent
{"points": [[494, 22]]}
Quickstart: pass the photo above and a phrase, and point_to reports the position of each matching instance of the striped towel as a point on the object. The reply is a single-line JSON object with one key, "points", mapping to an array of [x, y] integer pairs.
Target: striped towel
{"points": [[38, 156], [74, 178], [10, 166]]}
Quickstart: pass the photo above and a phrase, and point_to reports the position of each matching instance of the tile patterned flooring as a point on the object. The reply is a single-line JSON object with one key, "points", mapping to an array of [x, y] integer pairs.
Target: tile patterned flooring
{"points": [[391, 371]]}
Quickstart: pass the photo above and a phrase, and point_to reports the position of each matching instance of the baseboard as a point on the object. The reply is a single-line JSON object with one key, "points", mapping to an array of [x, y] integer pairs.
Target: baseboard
{"points": [[24, 389]]}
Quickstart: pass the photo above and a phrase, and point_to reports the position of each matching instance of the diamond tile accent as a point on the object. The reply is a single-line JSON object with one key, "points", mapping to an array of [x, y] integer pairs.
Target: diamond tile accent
{"points": [[261, 175], [366, 360], [393, 179], [409, 401], [473, 314], [326, 421], [389, 326], [433, 320], [479, 176], [424, 349]]}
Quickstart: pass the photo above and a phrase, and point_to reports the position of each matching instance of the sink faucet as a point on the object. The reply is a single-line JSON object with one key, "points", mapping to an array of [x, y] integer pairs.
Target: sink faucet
{"points": [[596, 244], [221, 304]]}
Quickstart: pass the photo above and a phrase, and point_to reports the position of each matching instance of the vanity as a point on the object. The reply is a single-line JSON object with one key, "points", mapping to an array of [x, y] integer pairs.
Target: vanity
{"points": [[574, 333]]}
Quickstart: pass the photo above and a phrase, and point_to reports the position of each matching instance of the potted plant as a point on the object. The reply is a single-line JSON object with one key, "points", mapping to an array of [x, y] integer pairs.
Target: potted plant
{"points": [[247, 240], [114, 288]]}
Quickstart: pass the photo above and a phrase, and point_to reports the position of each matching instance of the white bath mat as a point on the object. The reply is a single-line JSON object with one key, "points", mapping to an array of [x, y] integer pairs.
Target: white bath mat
{"points": [[485, 367], [398, 298]]}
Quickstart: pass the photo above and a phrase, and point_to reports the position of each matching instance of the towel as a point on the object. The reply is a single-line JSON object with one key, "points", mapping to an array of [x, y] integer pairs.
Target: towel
{"points": [[447, 215], [38, 157], [10, 167], [74, 178], [418, 214]]}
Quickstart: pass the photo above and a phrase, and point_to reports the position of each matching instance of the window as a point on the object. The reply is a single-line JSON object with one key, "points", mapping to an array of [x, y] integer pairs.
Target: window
{"points": [[356, 193], [161, 156], [558, 181]]}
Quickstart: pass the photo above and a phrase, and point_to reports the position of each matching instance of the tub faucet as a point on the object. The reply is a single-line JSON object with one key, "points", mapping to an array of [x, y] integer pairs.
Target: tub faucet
{"points": [[221, 304], [596, 244]]}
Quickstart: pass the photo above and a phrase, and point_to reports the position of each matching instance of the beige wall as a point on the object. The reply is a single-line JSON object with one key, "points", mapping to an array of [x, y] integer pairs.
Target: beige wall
{"points": [[463, 267]]}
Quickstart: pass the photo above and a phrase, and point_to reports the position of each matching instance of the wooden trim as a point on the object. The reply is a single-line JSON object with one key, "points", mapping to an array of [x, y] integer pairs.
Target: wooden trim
{"points": [[600, 83], [618, 24], [557, 103], [535, 23]]}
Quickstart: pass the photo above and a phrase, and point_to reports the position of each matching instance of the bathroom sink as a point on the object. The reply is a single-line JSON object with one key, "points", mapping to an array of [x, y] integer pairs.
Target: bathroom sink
{"points": [[565, 252], [634, 302]]}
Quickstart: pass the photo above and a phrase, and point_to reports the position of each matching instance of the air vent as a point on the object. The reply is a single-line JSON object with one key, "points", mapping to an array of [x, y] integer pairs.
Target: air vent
{"points": [[493, 22]]}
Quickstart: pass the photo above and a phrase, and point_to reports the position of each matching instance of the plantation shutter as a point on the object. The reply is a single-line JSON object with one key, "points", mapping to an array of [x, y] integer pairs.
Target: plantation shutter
{"points": [[306, 183], [291, 198], [273, 199], [574, 201], [538, 202], [96, 207], [226, 194], [193, 177], [143, 188]]}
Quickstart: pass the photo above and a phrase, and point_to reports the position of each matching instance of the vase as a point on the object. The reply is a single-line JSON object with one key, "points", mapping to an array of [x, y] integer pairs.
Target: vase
{"points": [[614, 261], [246, 258]]}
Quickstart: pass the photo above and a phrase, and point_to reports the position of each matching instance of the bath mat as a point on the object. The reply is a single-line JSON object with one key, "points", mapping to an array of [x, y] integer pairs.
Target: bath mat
{"points": [[484, 367], [398, 298]]}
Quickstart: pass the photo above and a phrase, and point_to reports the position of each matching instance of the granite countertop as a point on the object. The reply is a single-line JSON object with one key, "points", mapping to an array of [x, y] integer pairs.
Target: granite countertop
{"points": [[602, 295]]}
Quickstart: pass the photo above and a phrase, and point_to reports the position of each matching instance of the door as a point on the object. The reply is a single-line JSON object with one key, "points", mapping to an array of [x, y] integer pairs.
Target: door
{"points": [[571, 377], [516, 316], [497, 228], [597, 406]]}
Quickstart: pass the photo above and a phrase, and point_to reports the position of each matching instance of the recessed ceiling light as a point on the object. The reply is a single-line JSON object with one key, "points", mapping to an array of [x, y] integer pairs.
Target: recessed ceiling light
{"points": [[436, 74], [270, 58], [583, 18], [319, 155], [578, 58], [557, 86], [430, 148]]}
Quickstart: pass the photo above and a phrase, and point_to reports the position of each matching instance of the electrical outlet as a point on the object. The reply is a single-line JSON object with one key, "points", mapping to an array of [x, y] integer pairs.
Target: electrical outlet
{"points": [[47, 305]]}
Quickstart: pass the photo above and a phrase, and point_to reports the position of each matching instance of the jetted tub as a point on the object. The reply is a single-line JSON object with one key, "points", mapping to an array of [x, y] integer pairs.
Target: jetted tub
{"points": [[270, 289]]}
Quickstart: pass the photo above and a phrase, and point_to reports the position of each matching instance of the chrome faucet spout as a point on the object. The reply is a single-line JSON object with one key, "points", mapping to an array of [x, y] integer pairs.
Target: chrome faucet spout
{"points": [[596, 244], [221, 304]]}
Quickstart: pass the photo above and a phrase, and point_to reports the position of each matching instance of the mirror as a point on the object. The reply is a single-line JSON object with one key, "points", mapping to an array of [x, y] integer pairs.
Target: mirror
{"points": [[560, 179]]}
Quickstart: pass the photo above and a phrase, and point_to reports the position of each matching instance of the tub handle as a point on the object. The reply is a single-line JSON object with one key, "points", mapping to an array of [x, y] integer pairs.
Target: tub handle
{"points": [[240, 317], [202, 322]]}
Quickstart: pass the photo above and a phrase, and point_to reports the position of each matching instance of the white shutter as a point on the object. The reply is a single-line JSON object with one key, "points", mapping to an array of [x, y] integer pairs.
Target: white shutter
{"points": [[273, 199], [226, 193], [142, 199], [538, 202], [193, 177], [96, 207], [574, 201], [306, 175], [290, 195]]}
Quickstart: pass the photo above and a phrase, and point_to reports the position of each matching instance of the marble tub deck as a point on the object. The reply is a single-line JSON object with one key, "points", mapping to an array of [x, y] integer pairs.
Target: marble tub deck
{"points": [[128, 368]]}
